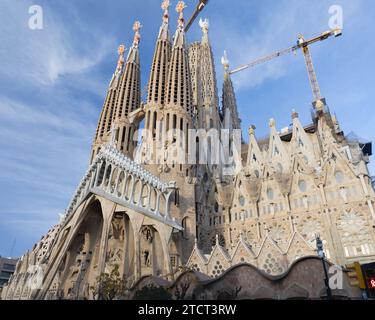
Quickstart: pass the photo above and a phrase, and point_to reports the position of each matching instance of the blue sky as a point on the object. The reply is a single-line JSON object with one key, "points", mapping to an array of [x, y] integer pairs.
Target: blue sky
{"points": [[53, 83]]}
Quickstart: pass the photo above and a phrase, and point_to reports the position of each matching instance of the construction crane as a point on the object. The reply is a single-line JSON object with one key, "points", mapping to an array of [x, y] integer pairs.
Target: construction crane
{"points": [[198, 9], [304, 46]]}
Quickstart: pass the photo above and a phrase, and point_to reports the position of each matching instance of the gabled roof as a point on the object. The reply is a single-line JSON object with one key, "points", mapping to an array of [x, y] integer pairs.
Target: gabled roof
{"points": [[198, 253], [243, 244], [273, 243], [296, 235], [221, 250]]}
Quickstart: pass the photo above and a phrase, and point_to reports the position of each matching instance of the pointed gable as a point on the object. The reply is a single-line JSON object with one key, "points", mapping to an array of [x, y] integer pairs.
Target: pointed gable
{"points": [[254, 155], [219, 260], [301, 143], [298, 248], [336, 162], [277, 153], [271, 258], [242, 253], [197, 261]]}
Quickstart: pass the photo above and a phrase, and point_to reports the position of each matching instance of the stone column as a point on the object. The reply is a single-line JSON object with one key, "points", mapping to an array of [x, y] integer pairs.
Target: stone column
{"points": [[108, 209]]}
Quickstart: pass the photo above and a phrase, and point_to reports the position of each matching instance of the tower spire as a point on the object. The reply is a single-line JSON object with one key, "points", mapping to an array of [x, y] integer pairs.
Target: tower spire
{"points": [[128, 97], [230, 112], [105, 120], [179, 93], [158, 76], [204, 80]]}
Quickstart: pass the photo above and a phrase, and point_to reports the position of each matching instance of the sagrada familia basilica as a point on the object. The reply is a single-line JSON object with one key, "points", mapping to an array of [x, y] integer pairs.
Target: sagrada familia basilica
{"points": [[187, 191]]}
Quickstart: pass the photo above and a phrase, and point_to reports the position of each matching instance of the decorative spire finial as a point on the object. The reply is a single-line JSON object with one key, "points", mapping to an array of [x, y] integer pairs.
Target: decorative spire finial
{"points": [[165, 6], [294, 114], [252, 130], [120, 62], [272, 123], [225, 61], [204, 24], [137, 37], [180, 9]]}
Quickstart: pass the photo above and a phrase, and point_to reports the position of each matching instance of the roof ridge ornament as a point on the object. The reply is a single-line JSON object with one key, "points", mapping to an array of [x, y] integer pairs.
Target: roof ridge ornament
{"points": [[181, 5], [137, 36], [204, 24]]}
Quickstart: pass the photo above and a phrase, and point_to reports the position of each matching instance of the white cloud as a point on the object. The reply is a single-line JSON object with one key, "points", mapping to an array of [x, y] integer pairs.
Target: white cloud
{"points": [[43, 56], [277, 26]]}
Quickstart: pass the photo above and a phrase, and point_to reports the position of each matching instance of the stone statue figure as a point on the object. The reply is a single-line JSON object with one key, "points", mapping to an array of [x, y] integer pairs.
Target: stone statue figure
{"points": [[146, 258], [146, 245]]}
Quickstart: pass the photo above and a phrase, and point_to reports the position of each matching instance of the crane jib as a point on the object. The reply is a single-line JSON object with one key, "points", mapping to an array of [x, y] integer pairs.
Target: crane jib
{"points": [[301, 44]]}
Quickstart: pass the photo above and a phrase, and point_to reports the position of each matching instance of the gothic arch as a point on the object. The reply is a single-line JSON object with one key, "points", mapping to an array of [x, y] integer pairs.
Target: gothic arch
{"points": [[137, 188], [145, 191], [107, 175], [101, 174], [162, 204], [113, 182], [121, 184], [128, 187], [153, 198]]}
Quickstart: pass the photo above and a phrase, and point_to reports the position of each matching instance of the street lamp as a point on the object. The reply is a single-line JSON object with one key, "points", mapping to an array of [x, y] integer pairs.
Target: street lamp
{"points": [[321, 254]]}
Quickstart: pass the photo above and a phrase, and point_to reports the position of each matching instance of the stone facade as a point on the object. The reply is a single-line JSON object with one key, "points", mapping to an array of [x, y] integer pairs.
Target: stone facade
{"points": [[147, 208]]}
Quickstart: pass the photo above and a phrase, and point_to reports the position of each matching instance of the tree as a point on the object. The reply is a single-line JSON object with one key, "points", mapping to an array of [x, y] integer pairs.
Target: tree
{"points": [[182, 288], [152, 293], [110, 286]]}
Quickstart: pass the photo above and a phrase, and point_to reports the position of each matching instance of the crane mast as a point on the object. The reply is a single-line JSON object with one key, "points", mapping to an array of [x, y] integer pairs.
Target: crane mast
{"points": [[312, 75]]}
